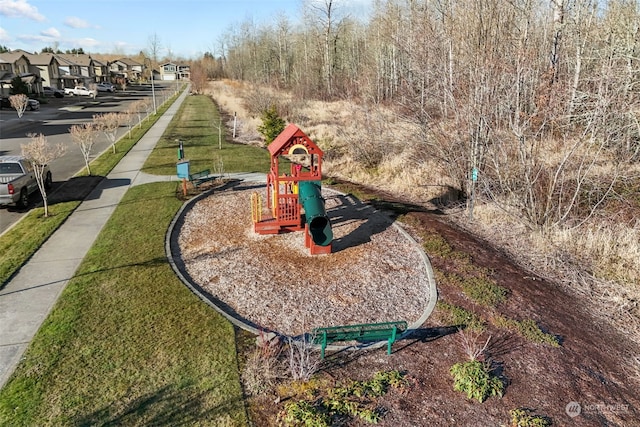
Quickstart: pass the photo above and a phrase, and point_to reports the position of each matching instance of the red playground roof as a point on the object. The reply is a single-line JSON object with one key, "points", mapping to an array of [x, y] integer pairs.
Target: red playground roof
{"points": [[288, 138]]}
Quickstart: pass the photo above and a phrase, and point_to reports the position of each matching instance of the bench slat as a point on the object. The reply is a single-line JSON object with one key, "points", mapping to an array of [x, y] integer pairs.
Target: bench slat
{"points": [[200, 177], [362, 332]]}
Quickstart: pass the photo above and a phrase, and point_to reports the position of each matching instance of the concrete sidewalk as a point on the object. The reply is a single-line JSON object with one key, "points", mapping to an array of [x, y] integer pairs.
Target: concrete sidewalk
{"points": [[29, 297]]}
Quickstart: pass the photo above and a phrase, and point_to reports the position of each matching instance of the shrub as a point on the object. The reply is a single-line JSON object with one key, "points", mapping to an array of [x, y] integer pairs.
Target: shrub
{"points": [[272, 124], [523, 418], [476, 380], [354, 399]]}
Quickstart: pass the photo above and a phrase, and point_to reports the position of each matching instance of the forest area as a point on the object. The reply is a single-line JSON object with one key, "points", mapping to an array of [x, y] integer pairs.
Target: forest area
{"points": [[523, 115]]}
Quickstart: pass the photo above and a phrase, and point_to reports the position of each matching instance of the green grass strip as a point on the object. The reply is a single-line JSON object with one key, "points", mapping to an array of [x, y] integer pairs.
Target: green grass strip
{"points": [[127, 343], [205, 148]]}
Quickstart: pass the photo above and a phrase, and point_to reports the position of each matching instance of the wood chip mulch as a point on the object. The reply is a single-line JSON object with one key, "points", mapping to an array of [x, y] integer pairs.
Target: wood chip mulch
{"points": [[375, 273]]}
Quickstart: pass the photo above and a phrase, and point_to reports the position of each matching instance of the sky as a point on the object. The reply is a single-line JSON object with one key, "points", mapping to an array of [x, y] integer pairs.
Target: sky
{"points": [[184, 28]]}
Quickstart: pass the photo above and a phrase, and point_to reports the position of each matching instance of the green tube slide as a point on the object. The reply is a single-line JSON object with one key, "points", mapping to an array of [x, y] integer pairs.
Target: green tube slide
{"points": [[310, 197]]}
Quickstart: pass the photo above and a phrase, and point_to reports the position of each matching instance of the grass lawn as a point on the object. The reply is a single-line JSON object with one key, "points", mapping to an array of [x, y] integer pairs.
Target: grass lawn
{"points": [[127, 343], [198, 131]]}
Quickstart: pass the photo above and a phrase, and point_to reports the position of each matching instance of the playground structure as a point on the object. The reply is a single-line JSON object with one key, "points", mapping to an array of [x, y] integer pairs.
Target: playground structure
{"points": [[294, 200]]}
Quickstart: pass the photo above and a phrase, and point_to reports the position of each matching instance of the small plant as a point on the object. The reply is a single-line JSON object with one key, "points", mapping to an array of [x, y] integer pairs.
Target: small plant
{"points": [[471, 344], [459, 316], [476, 380], [303, 413], [522, 417], [435, 244], [354, 399], [528, 329], [263, 367], [481, 290], [304, 358]]}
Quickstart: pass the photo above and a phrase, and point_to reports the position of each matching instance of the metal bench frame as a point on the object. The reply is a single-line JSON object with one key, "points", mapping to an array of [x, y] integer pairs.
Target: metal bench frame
{"points": [[200, 177], [366, 332]]}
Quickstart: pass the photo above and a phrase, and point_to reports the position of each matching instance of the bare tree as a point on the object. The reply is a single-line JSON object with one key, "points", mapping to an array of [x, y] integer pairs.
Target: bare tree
{"points": [[304, 358], [84, 136], [19, 102], [198, 78], [108, 124], [154, 46], [137, 108], [40, 153]]}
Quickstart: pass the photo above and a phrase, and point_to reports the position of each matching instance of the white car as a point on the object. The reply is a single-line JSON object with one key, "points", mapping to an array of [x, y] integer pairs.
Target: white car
{"points": [[33, 104], [105, 87]]}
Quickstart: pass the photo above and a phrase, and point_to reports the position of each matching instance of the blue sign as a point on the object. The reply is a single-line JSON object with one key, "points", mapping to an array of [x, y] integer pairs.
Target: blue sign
{"points": [[183, 169], [474, 174]]}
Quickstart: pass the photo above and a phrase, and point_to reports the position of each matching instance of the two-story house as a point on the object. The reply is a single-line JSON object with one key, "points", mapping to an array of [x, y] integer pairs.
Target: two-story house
{"points": [[101, 71], [17, 64], [127, 68], [76, 69], [48, 68]]}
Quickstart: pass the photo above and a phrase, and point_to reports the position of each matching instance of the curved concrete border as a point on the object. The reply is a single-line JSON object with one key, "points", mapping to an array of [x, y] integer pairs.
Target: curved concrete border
{"points": [[171, 247]]}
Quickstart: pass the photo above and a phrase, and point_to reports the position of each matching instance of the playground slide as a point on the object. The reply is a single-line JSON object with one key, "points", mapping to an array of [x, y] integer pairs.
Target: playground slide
{"points": [[310, 197]]}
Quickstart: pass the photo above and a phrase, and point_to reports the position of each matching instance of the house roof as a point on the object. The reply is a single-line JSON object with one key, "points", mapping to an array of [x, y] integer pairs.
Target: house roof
{"points": [[13, 56], [79, 59], [41, 58], [128, 61], [290, 137]]}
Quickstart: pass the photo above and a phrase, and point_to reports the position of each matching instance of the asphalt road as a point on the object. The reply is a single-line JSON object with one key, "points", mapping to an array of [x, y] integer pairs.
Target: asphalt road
{"points": [[54, 120]]}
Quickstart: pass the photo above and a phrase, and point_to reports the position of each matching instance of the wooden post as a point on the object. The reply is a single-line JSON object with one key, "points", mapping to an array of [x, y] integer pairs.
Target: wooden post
{"points": [[184, 187]]}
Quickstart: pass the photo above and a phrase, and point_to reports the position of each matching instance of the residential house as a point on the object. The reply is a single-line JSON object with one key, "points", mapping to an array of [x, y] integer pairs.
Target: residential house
{"points": [[16, 63], [127, 68], [101, 71], [48, 68], [184, 72], [76, 69], [168, 71]]}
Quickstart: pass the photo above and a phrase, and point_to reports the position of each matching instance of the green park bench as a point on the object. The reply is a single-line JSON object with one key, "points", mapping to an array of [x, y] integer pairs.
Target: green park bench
{"points": [[201, 177], [367, 332]]}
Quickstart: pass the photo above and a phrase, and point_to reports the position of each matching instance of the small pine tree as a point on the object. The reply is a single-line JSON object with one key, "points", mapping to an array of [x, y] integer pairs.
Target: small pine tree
{"points": [[18, 86], [272, 124]]}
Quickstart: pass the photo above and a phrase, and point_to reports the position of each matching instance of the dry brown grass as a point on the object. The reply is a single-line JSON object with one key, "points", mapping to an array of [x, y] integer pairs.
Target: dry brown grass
{"points": [[597, 260]]}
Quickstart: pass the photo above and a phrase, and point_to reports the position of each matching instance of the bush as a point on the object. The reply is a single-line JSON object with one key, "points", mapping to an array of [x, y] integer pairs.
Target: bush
{"points": [[476, 379], [523, 418]]}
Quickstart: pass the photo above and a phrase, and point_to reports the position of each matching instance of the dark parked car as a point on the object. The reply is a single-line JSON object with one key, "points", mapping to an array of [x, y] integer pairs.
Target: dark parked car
{"points": [[32, 104], [50, 91]]}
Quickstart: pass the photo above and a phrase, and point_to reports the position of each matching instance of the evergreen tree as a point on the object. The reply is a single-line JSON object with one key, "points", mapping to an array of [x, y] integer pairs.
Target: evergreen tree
{"points": [[272, 124], [18, 86]]}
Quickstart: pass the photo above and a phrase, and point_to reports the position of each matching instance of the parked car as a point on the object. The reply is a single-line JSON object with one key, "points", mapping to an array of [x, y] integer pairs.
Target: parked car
{"points": [[105, 87], [33, 104], [80, 91], [51, 91], [18, 181]]}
